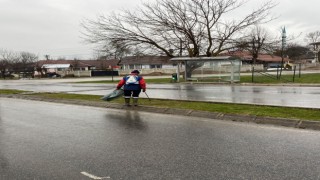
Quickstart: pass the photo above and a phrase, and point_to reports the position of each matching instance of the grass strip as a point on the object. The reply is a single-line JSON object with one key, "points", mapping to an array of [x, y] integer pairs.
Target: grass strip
{"points": [[313, 78], [11, 91], [227, 108]]}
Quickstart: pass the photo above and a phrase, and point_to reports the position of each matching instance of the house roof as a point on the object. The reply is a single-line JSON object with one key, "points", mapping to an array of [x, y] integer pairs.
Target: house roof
{"points": [[53, 66], [145, 60], [245, 55], [99, 64], [216, 58]]}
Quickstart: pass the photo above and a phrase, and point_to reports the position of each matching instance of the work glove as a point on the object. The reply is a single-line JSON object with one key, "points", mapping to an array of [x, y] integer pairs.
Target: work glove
{"points": [[144, 90]]}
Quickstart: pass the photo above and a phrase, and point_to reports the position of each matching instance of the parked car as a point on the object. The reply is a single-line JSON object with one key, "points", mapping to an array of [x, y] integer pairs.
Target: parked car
{"points": [[274, 69], [53, 75]]}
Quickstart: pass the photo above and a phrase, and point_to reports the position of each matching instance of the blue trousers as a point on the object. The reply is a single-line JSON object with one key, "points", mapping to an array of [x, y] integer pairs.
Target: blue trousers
{"points": [[133, 93]]}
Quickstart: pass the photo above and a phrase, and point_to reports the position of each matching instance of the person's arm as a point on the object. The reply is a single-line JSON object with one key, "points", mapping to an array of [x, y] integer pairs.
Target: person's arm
{"points": [[143, 85], [121, 83]]}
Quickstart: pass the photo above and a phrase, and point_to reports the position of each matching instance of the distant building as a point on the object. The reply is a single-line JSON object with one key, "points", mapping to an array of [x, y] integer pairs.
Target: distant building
{"points": [[75, 67], [146, 62], [268, 61], [151, 65]]}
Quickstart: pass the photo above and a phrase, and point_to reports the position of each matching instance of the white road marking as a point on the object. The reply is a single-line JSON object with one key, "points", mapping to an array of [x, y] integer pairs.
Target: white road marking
{"points": [[93, 176]]}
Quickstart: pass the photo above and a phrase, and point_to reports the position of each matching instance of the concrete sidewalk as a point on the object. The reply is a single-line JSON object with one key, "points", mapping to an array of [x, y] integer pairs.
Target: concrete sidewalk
{"points": [[294, 123]]}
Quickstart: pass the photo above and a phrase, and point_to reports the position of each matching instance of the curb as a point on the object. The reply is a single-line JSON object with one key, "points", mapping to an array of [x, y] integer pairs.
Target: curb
{"points": [[293, 123]]}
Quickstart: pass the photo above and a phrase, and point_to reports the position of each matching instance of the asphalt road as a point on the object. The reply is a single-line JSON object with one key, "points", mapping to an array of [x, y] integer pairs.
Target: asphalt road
{"points": [[41, 140]]}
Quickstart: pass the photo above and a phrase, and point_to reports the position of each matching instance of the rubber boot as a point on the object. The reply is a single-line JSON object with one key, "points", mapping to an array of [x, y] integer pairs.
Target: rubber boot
{"points": [[127, 101], [135, 101]]}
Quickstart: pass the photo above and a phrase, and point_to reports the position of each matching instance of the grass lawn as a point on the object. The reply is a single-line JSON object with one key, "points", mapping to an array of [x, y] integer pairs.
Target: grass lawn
{"points": [[11, 91], [303, 79], [257, 110]]}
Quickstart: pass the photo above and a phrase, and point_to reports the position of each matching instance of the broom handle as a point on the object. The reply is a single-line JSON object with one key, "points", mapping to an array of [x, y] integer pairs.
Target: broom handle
{"points": [[147, 96]]}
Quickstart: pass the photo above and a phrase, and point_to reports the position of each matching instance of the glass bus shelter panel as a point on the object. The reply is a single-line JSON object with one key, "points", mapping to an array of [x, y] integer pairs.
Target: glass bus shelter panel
{"points": [[218, 70]]}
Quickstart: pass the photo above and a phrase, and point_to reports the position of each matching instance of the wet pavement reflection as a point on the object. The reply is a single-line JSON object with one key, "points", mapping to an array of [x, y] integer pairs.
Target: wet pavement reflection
{"points": [[3, 160], [130, 120], [45, 140]]}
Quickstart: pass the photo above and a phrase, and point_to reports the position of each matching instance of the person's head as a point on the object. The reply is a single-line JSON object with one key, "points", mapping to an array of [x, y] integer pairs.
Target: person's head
{"points": [[135, 72]]}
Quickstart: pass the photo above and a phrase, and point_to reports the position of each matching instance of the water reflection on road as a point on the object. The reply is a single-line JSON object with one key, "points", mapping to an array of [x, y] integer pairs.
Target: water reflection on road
{"points": [[3, 160], [130, 120]]}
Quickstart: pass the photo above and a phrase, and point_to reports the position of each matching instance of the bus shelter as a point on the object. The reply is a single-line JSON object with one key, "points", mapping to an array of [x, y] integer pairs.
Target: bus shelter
{"points": [[222, 68]]}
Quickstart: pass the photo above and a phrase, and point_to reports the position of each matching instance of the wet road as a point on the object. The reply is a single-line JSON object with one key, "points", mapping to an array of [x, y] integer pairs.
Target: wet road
{"points": [[40, 140], [290, 96]]}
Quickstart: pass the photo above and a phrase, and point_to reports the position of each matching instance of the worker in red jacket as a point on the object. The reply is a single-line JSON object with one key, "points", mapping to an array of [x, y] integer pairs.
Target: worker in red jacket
{"points": [[133, 84]]}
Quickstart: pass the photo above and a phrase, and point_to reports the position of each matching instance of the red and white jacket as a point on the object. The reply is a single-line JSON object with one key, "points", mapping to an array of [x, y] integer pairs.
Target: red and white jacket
{"points": [[138, 85]]}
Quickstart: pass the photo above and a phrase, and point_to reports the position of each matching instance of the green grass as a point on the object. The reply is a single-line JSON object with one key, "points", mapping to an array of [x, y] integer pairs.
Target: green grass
{"points": [[266, 111], [303, 79], [69, 96], [11, 91], [308, 78]]}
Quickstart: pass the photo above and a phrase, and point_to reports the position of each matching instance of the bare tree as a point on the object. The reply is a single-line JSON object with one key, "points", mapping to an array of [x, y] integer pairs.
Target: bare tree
{"points": [[313, 37], [16, 62], [258, 41], [7, 61], [190, 27], [25, 64], [4, 63], [297, 52], [27, 59], [113, 50]]}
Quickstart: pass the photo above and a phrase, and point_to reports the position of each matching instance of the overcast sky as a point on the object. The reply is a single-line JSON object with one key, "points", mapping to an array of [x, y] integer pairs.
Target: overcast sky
{"points": [[53, 26]]}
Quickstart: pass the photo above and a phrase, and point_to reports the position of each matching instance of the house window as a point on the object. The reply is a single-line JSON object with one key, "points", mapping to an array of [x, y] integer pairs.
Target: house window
{"points": [[155, 66], [138, 66], [135, 66]]}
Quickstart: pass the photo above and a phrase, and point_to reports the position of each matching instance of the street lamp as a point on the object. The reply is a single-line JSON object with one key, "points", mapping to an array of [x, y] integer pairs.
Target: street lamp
{"points": [[284, 42]]}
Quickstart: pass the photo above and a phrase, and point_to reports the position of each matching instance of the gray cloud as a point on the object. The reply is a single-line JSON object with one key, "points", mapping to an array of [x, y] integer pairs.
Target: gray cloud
{"points": [[53, 26]]}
